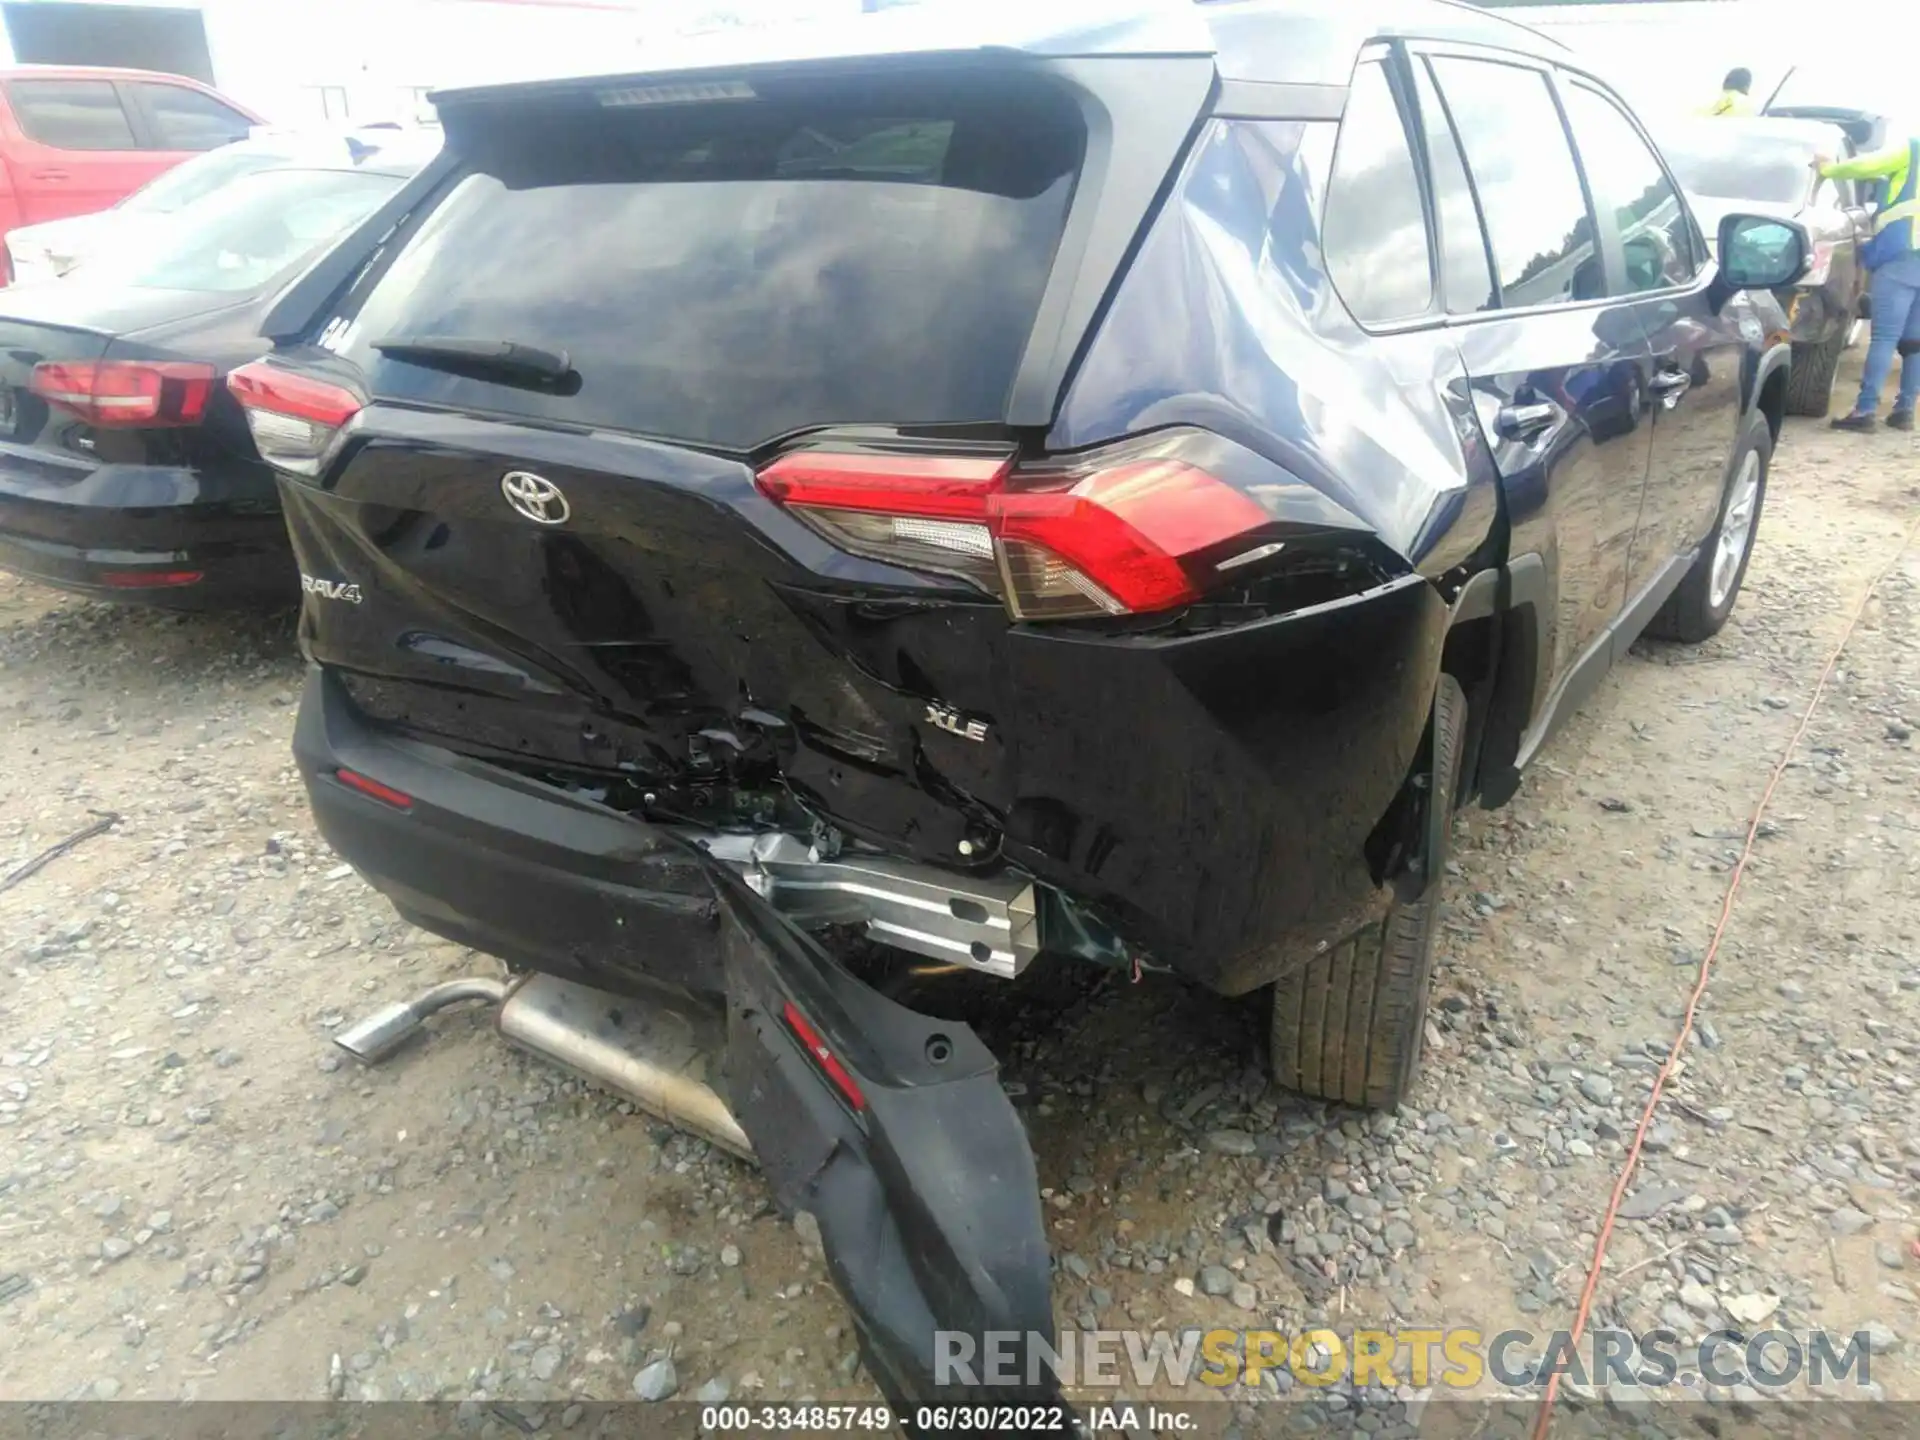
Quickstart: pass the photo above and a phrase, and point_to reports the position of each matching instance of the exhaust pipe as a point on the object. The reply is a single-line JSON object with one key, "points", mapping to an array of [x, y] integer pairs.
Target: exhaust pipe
{"points": [[391, 1026], [659, 1053]]}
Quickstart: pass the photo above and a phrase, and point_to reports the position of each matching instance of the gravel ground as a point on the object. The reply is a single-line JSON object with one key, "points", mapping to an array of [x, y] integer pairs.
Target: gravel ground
{"points": [[199, 1199]]}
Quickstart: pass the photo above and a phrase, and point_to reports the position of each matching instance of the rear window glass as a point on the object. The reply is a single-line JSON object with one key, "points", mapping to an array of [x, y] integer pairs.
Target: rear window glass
{"points": [[730, 272], [254, 229], [204, 175]]}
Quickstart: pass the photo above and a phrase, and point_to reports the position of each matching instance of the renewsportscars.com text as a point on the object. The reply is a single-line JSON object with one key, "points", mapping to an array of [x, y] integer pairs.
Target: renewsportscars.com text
{"points": [[1457, 1358]]}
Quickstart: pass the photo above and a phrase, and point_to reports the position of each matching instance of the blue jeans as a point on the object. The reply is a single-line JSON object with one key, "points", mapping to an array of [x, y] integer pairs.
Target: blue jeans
{"points": [[1896, 316]]}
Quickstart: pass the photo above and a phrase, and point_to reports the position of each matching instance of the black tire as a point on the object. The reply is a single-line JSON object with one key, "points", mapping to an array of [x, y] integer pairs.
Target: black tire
{"points": [[1811, 380], [1350, 1025], [1690, 614]]}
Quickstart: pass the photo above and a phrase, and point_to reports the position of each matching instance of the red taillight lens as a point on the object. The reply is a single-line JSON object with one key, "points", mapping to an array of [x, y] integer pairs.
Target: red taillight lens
{"points": [[823, 1057], [368, 786], [126, 392], [1129, 530], [294, 418]]}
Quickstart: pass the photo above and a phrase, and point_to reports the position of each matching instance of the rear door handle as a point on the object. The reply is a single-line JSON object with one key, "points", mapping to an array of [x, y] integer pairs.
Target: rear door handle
{"points": [[51, 175], [1523, 422]]}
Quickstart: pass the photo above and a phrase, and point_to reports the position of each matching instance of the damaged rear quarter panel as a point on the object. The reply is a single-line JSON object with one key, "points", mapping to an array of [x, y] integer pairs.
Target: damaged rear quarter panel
{"points": [[1227, 321]]}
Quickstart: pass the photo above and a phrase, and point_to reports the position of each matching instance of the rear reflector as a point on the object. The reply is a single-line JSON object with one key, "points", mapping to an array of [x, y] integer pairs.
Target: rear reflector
{"points": [[294, 418], [141, 393], [366, 785], [1131, 529], [151, 579], [823, 1057]]}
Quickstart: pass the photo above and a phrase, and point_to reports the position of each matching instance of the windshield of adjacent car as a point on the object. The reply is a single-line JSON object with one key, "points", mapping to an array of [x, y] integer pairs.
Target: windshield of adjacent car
{"points": [[1735, 162], [204, 175], [256, 227]]}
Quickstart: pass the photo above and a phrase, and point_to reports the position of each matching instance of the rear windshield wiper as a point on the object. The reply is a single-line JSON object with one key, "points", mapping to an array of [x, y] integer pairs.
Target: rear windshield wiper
{"points": [[501, 360]]}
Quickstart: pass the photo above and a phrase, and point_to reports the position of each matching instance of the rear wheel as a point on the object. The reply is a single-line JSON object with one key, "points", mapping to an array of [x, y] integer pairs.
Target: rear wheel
{"points": [[1810, 382], [1705, 599], [1349, 1026]]}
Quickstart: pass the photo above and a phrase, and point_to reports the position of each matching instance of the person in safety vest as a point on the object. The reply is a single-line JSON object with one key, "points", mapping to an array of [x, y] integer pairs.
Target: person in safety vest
{"points": [[1733, 98], [1893, 255]]}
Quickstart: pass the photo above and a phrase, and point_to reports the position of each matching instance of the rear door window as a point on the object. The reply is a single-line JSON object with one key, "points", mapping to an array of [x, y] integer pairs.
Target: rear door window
{"points": [[1529, 188], [185, 119], [730, 272], [1656, 236], [1375, 229], [72, 114], [1467, 277]]}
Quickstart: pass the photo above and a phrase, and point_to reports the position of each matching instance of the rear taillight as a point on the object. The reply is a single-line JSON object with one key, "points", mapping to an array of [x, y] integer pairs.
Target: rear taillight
{"points": [[1820, 265], [1129, 529], [142, 393], [294, 418]]}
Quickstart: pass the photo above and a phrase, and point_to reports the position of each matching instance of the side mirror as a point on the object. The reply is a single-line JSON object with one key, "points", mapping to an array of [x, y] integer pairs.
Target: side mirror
{"points": [[1758, 252]]}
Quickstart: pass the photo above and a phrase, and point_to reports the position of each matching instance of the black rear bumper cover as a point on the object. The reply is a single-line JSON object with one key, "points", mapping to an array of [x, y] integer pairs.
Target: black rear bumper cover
{"points": [[125, 519], [926, 1195]]}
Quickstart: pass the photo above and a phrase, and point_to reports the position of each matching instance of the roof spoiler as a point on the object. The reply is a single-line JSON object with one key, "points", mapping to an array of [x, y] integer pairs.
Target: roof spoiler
{"points": [[1056, 30]]}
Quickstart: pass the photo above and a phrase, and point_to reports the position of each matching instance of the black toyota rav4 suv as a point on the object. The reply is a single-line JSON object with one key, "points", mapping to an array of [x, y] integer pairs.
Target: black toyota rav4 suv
{"points": [[1101, 499]]}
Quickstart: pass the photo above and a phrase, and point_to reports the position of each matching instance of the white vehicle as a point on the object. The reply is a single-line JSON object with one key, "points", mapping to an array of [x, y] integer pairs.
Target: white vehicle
{"points": [[46, 252]]}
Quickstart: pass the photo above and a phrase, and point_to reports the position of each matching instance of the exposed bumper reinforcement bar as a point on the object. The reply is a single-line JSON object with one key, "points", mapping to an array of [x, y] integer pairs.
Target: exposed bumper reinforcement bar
{"points": [[986, 922]]}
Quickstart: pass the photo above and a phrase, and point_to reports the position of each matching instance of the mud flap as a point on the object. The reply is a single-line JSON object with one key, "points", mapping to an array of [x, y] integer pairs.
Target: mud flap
{"points": [[911, 1159]]}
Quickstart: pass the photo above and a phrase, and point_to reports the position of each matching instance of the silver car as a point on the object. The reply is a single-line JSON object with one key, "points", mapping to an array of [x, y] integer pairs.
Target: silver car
{"points": [[1770, 165]]}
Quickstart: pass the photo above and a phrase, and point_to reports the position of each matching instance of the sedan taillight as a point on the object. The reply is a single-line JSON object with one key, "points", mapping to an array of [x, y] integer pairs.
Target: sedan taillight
{"points": [[138, 393]]}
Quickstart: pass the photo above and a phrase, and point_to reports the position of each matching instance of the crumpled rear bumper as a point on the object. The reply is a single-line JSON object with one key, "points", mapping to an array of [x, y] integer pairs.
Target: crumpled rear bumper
{"points": [[903, 1147], [925, 1191]]}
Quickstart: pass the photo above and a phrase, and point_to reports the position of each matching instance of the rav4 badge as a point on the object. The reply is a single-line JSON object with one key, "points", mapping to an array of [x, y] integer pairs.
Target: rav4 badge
{"points": [[331, 589], [946, 718]]}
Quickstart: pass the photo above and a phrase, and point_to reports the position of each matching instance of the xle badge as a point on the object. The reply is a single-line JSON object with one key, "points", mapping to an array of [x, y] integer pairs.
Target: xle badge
{"points": [[946, 718]]}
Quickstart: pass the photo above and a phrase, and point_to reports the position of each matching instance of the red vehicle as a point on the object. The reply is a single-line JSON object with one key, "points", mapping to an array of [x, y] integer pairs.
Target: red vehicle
{"points": [[75, 139]]}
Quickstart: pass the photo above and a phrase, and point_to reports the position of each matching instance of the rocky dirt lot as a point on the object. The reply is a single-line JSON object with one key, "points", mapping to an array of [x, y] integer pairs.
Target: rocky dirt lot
{"points": [[200, 1198]]}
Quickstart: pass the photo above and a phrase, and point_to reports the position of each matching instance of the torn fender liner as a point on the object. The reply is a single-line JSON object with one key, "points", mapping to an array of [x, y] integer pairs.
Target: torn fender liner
{"points": [[926, 1196]]}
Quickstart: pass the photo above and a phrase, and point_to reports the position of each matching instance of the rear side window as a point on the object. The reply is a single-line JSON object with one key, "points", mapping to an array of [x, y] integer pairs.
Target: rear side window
{"points": [[1465, 274], [72, 114], [1656, 237], [730, 272], [1374, 233], [1529, 187], [185, 119]]}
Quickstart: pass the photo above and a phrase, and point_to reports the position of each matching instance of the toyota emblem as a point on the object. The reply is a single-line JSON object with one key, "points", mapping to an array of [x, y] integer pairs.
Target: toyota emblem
{"points": [[535, 497]]}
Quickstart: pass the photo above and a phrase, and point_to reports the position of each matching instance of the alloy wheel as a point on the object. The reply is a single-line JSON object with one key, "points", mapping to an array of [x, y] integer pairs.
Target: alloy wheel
{"points": [[1736, 530]]}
